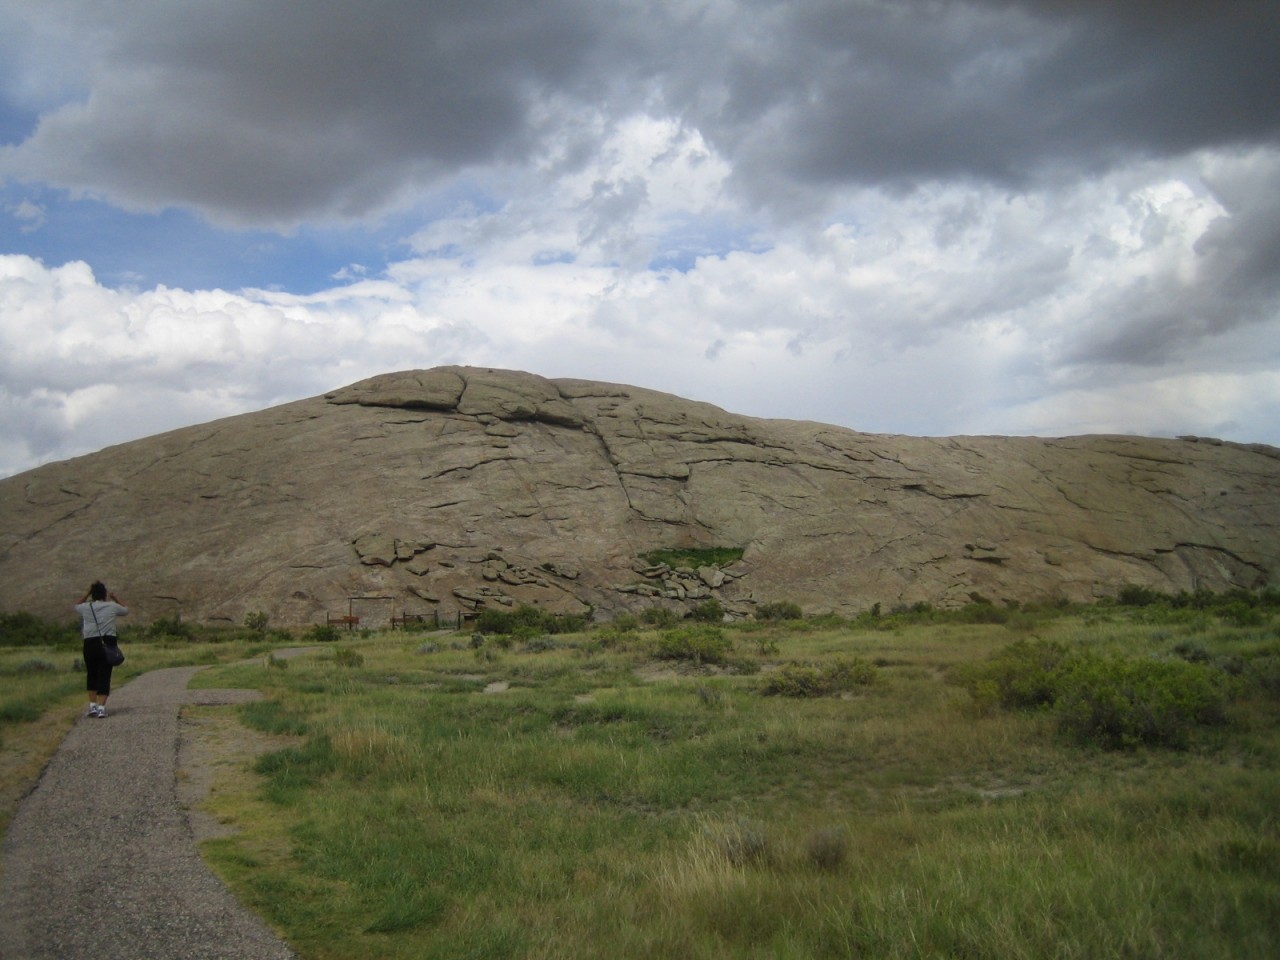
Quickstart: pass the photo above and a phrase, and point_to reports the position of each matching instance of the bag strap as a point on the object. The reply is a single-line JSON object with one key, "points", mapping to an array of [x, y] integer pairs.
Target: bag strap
{"points": [[95, 619]]}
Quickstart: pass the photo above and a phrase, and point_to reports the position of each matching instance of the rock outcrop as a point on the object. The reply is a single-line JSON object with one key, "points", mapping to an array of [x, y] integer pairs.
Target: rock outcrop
{"points": [[447, 490]]}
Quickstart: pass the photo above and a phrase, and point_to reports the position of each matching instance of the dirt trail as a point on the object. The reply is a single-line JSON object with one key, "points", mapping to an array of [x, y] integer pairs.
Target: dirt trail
{"points": [[100, 861]]}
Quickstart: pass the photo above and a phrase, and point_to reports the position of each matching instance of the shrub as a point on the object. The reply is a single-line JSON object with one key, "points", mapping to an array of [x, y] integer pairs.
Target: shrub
{"points": [[608, 637], [1135, 596], [527, 621], [982, 611], [799, 680], [699, 644], [346, 657], [793, 680], [1239, 613], [27, 630], [828, 848], [36, 665], [1191, 652], [768, 646], [1022, 675], [1264, 673], [626, 622], [711, 696], [709, 611], [1109, 701], [779, 610], [171, 627], [744, 843], [659, 617], [1118, 702], [321, 633], [541, 644], [256, 621], [847, 673]]}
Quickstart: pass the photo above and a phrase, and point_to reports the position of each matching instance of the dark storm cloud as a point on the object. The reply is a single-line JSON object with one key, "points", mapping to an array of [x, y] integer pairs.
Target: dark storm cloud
{"points": [[278, 112], [995, 91]]}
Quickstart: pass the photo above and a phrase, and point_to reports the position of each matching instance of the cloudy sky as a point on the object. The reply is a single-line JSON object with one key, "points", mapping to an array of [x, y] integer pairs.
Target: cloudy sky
{"points": [[920, 216]]}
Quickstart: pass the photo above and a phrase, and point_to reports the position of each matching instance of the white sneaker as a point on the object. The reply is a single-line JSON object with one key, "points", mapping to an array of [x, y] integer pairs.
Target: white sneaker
{"points": [[92, 711], [100, 712]]}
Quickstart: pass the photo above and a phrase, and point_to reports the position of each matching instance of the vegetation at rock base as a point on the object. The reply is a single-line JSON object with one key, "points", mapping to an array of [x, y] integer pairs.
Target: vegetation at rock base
{"points": [[526, 621], [780, 610], [22, 629], [1095, 781], [694, 557]]}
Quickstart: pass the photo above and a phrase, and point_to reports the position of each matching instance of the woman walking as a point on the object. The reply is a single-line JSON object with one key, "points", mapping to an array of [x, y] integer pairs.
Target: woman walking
{"points": [[98, 610]]}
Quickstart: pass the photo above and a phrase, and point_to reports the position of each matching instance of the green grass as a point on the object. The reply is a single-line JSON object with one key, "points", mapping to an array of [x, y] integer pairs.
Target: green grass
{"points": [[602, 802]]}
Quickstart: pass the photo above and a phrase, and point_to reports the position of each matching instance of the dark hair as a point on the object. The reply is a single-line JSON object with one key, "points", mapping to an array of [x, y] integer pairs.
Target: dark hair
{"points": [[98, 591]]}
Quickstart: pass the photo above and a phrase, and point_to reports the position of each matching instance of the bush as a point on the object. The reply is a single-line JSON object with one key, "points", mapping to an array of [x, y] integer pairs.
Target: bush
{"points": [[1022, 675], [27, 630], [659, 617], [744, 843], [1135, 596], [982, 611], [828, 848], [36, 665], [321, 633], [709, 611], [699, 644], [256, 622], [526, 621], [1117, 702], [541, 644], [346, 657], [1264, 673], [793, 680], [1109, 701], [798, 680], [171, 627], [1239, 613], [626, 622], [779, 610], [1191, 652]]}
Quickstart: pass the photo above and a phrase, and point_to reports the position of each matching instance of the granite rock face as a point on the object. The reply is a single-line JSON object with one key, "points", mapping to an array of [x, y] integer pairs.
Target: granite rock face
{"points": [[452, 489]]}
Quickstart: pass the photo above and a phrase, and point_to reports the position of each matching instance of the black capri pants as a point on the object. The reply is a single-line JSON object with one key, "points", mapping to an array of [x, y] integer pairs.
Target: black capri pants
{"points": [[97, 670]]}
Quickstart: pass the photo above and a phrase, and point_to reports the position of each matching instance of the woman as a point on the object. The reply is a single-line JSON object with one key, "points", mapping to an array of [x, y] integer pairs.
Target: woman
{"points": [[98, 610]]}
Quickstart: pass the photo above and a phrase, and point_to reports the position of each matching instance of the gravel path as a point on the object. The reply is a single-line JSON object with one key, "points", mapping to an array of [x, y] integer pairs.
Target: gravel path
{"points": [[100, 861]]}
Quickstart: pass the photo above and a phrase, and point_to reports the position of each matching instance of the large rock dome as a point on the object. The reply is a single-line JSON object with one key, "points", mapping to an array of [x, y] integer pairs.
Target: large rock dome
{"points": [[451, 489]]}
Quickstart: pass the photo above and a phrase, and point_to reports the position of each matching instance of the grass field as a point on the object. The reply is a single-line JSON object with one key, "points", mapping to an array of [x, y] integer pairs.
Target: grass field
{"points": [[614, 793]]}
